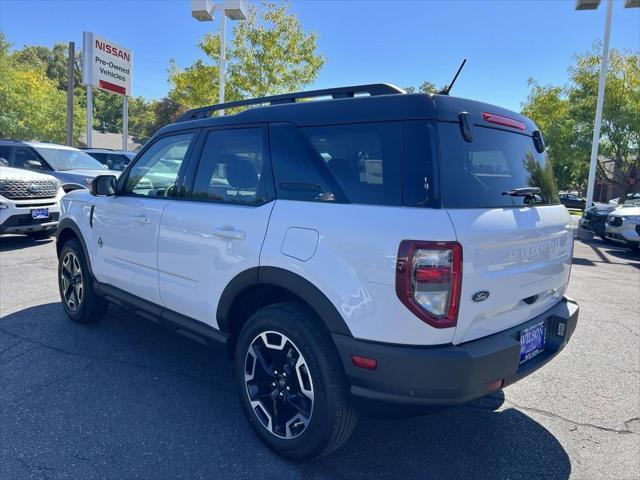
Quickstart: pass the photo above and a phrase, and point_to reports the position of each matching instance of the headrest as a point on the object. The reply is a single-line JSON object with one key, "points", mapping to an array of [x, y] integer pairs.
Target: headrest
{"points": [[241, 173]]}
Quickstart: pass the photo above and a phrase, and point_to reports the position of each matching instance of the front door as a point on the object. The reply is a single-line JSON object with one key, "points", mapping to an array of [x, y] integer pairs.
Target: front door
{"points": [[125, 226], [206, 241]]}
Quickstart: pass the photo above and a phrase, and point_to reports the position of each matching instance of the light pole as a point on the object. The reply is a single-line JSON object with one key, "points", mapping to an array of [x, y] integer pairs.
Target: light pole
{"points": [[203, 11], [592, 5]]}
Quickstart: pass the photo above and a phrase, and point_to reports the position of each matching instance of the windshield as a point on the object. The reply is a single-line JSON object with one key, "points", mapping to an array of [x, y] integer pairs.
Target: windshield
{"points": [[476, 174], [62, 159]]}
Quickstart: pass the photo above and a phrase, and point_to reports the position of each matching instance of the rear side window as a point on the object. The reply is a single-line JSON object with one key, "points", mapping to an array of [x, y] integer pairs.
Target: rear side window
{"points": [[376, 163], [475, 175], [300, 173], [365, 159], [231, 167]]}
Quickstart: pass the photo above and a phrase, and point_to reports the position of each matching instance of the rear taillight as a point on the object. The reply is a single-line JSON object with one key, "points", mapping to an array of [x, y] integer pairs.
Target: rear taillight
{"points": [[428, 280]]}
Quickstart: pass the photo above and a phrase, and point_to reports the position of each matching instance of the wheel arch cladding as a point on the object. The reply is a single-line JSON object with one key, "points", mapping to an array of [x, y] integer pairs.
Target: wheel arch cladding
{"points": [[261, 286], [67, 229]]}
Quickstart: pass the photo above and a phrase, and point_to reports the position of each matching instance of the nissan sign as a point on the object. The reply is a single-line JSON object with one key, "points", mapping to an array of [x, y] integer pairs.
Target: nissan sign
{"points": [[106, 65]]}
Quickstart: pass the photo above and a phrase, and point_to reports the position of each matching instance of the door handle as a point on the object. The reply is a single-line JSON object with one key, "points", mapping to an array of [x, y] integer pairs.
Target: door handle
{"points": [[142, 219], [229, 233]]}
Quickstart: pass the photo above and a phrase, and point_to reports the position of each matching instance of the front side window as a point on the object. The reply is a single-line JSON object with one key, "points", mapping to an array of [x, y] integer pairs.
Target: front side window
{"points": [[156, 172], [24, 157], [231, 167], [5, 152]]}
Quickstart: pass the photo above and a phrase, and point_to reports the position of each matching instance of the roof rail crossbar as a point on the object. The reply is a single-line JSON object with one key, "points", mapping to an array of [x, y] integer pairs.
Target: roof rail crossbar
{"points": [[373, 89]]}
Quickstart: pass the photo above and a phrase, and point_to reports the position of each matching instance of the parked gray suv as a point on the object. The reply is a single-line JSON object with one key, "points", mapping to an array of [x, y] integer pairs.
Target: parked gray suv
{"points": [[71, 166]]}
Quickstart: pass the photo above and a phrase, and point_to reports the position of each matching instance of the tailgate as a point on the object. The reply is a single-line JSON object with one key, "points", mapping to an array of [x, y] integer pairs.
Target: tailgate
{"points": [[520, 256], [500, 193]]}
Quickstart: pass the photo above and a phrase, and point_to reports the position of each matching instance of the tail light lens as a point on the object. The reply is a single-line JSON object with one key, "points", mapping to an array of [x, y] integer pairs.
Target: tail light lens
{"points": [[504, 121], [428, 280]]}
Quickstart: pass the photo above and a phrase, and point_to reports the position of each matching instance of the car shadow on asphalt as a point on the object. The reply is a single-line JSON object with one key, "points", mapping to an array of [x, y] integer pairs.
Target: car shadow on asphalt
{"points": [[124, 398], [608, 253], [18, 242]]}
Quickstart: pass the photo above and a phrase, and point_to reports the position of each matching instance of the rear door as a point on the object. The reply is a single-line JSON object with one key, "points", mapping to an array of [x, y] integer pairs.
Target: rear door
{"points": [[516, 249], [207, 240]]}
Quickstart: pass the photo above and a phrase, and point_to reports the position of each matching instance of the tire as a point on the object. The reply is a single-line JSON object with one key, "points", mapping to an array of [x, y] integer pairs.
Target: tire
{"points": [[289, 338], [79, 299], [41, 234]]}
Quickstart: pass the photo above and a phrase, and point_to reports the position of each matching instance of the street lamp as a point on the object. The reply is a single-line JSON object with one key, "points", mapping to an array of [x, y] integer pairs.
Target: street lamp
{"points": [[203, 11], [592, 5]]}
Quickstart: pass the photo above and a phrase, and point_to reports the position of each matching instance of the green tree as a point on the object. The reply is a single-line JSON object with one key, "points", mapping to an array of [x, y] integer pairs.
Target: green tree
{"points": [[550, 109], [425, 87], [107, 106], [620, 131], [269, 54], [53, 60], [31, 105], [566, 117]]}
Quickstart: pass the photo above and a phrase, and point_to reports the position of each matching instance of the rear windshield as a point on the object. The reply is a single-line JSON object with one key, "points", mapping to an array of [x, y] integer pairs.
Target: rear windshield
{"points": [[475, 174]]}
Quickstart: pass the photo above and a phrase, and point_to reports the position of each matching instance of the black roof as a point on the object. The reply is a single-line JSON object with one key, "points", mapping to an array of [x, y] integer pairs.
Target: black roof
{"points": [[384, 103]]}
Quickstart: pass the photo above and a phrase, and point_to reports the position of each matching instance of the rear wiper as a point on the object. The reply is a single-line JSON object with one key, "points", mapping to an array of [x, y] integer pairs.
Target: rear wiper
{"points": [[523, 192]]}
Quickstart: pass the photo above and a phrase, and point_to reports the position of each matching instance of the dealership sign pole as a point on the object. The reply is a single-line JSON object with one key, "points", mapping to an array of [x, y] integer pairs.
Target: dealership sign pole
{"points": [[106, 66]]}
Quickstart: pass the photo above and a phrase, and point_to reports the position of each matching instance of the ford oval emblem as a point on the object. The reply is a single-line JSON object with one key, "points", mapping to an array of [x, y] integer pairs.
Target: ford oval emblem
{"points": [[480, 296], [34, 188]]}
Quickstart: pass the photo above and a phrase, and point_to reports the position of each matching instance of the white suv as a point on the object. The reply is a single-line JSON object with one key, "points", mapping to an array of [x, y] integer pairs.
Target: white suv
{"points": [[29, 202], [378, 250], [623, 224]]}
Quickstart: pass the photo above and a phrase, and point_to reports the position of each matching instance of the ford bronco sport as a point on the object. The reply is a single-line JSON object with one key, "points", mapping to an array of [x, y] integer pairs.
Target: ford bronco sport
{"points": [[369, 248]]}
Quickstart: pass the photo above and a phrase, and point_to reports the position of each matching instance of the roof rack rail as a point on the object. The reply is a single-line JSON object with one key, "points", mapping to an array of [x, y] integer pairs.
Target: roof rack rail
{"points": [[373, 89]]}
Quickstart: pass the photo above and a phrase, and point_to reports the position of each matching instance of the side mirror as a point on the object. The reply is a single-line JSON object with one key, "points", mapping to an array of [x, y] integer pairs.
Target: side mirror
{"points": [[34, 164], [103, 185]]}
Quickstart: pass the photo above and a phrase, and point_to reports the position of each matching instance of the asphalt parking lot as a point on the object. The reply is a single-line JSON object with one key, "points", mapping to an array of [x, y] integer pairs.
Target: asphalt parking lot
{"points": [[125, 399]]}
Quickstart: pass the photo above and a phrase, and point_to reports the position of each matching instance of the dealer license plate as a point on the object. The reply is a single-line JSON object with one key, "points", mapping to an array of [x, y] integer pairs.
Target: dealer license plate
{"points": [[531, 341], [38, 213]]}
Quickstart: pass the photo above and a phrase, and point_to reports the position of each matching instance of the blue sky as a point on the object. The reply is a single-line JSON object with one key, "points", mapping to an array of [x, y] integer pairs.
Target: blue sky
{"points": [[402, 42]]}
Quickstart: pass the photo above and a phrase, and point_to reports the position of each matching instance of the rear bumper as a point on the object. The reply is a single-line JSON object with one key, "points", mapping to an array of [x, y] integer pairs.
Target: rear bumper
{"points": [[450, 374]]}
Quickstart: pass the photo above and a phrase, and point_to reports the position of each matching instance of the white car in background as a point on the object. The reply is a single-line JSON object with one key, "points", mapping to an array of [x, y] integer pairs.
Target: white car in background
{"points": [[29, 202], [630, 196], [623, 224]]}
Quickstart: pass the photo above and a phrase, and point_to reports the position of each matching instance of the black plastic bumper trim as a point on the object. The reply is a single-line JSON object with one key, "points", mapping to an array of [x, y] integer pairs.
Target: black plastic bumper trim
{"points": [[451, 374]]}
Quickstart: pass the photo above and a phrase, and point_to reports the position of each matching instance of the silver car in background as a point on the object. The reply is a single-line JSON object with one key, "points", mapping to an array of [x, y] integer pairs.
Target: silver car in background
{"points": [[71, 166], [623, 224]]}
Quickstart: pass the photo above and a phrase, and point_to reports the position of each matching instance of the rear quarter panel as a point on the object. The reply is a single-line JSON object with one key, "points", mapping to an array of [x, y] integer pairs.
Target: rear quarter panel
{"points": [[354, 261]]}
